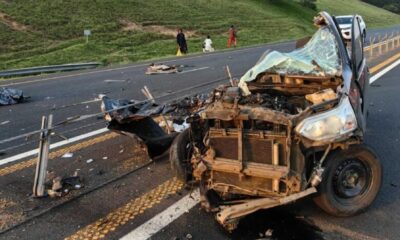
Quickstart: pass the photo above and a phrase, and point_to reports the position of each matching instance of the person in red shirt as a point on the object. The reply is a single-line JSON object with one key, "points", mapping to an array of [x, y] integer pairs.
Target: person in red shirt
{"points": [[232, 37]]}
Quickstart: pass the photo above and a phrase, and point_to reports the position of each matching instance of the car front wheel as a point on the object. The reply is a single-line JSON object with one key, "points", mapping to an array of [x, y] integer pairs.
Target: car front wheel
{"points": [[351, 181], [180, 154]]}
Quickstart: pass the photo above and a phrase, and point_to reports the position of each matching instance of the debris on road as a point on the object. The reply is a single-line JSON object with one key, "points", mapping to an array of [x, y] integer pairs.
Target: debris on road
{"points": [[67, 155], [62, 186], [89, 160], [189, 236], [141, 120], [57, 185], [10, 96], [160, 68], [269, 232]]}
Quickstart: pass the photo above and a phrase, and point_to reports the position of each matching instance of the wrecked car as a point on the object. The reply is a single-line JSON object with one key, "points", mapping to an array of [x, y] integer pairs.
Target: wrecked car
{"points": [[292, 126]]}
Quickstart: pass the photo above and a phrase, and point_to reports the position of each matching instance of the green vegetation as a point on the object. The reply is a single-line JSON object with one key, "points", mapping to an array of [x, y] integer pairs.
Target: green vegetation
{"points": [[133, 30], [373, 16], [391, 5]]}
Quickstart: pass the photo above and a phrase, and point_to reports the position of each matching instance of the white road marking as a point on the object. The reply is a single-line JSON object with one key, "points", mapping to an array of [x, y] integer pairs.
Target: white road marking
{"points": [[194, 70], [163, 219], [54, 145], [113, 80], [384, 71]]}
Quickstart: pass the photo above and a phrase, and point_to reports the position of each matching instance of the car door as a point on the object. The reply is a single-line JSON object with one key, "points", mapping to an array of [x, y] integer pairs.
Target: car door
{"points": [[360, 79]]}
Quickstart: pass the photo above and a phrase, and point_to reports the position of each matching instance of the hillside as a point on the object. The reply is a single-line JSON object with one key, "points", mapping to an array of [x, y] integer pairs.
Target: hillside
{"points": [[48, 32]]}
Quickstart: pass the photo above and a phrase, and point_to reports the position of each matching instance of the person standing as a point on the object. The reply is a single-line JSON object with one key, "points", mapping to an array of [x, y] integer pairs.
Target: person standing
{"points": [[208, 45], [181, 40], [232, 37]]}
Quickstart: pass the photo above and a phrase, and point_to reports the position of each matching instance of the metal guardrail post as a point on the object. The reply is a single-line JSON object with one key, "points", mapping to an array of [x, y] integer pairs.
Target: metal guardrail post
{"points": [[391, 40], [371, 43], [398, 39], [387, 42], [41, 166], [380, 45]]}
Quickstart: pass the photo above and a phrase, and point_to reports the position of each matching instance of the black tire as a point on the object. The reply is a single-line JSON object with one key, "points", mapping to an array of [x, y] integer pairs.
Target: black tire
{"points": [[180, 154], [351, 181], [365, 36]]}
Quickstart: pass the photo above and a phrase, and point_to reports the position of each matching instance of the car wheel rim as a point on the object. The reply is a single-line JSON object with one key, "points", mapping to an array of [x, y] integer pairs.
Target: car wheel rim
{"points": [[351, 179]]}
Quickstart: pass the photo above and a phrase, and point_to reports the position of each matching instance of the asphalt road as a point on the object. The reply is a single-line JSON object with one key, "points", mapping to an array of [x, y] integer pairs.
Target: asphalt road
{"points": [[70, 94]]}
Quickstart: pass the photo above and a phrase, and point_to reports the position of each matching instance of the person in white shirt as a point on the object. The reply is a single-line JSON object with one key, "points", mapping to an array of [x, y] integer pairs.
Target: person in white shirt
{"points": [[207, 45]]}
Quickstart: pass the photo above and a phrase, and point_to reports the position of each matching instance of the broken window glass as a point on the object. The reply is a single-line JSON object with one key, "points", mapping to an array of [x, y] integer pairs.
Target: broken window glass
{"points": [[319, 57]]}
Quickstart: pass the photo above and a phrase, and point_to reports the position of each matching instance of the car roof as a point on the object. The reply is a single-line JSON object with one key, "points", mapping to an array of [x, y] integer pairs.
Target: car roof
{"points": [[345, 16]]}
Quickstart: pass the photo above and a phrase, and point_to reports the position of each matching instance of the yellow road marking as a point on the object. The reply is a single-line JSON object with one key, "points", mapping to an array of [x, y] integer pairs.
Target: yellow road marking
{"points": [[127, 212], [376, 68], [58, 153]]}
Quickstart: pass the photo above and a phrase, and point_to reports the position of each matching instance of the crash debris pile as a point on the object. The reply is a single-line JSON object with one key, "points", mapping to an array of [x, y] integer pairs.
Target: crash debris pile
{"points": [[10, 96], [160, 69], [62, 186], [292, 124], [153, 124]]}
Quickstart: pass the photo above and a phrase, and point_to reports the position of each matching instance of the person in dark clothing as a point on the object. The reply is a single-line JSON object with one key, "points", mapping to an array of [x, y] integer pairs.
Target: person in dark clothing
{"points": [[181, 40]]}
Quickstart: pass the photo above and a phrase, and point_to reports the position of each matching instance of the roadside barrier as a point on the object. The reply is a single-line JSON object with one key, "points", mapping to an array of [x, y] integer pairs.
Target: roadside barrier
{"points": [[380, 44], [48, 69]]}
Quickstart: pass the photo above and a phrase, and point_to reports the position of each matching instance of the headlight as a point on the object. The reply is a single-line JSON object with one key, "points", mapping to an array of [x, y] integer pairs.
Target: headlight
{"points": [[331, 124]]}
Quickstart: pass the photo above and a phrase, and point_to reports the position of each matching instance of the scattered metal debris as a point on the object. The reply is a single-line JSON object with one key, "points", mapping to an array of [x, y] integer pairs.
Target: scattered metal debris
{"points": [[62, 186], [160, 68], [10, 96], [67, 155], [89, 160]]}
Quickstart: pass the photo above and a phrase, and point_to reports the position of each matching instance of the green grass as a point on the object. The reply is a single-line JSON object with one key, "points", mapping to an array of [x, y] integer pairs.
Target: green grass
{"points": [[57, 27], [373, 16]]}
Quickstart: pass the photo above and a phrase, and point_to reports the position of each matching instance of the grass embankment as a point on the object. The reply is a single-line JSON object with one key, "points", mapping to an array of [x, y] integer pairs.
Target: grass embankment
{"points": [[50, 31]]}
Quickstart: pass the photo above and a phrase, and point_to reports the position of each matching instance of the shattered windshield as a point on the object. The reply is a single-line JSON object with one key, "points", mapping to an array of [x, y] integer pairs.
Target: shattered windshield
{"points": [[319, 57], [344, 20]]}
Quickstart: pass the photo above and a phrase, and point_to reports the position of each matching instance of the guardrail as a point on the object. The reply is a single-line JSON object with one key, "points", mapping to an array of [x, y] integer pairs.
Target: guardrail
{"points": [[48, 69], [383, 43]]}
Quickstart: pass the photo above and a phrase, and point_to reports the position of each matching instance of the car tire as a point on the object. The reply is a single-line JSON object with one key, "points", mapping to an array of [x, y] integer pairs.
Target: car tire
{"points": [[365, 36], [180, 154], [350, 182]]}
